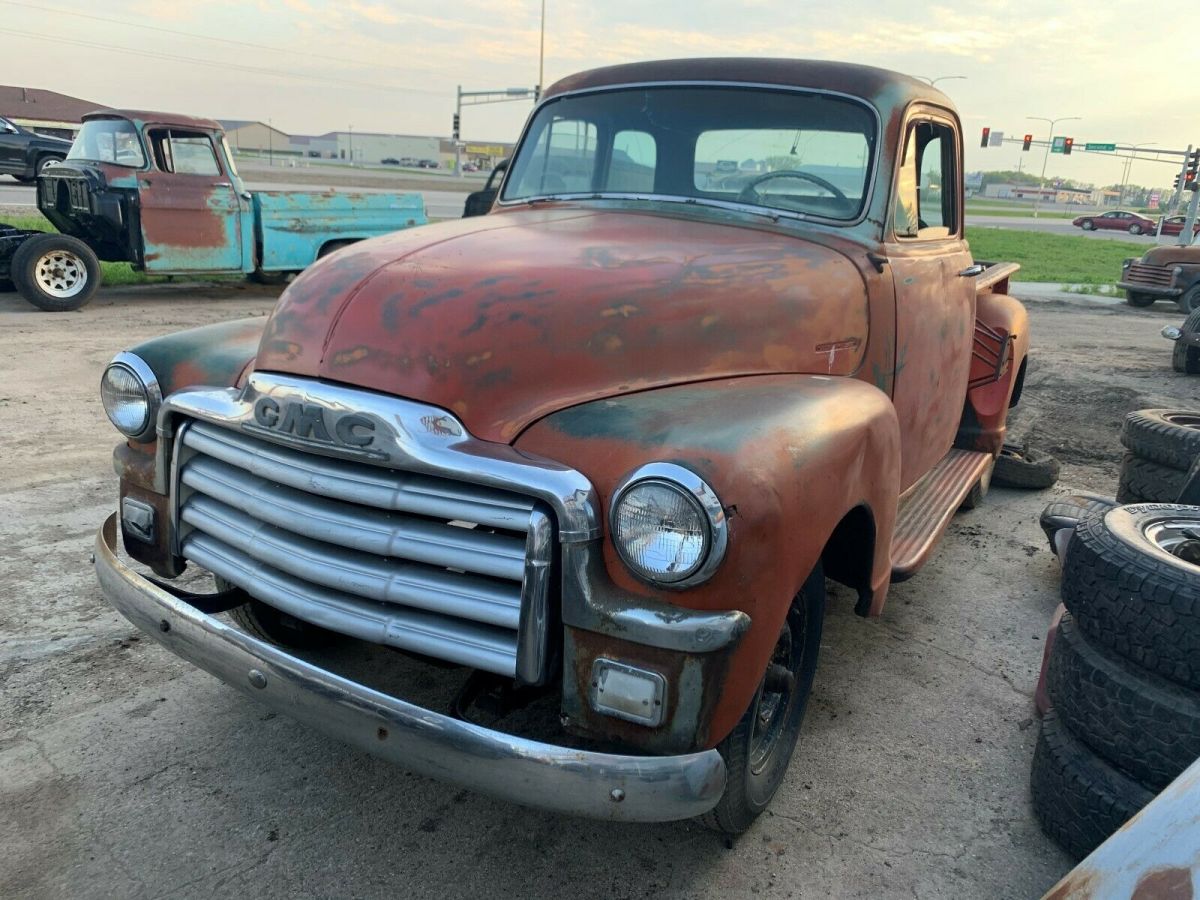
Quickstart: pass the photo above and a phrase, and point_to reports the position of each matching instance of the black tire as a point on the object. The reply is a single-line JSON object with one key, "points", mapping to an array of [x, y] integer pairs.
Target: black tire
{"points": [[756, 761], [1079, 798], [269, 624], [1066, 512], [1135, 229], [45, 162], [1170, 437], [56, 273], [1087, 225], [1129, 593], [260, 277], [1142, 481], [1139, 300], [333, 247], [1020, 467], [1185, 357], [1190, 301], [1144, 725]]}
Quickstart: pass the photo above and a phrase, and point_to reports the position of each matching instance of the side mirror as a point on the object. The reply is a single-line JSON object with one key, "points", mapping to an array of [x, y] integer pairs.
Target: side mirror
{"points": [[479, 202]]}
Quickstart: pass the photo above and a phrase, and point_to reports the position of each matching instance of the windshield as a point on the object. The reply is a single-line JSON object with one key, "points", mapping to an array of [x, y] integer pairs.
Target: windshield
{"points": [[109, 140], [783, 150]]}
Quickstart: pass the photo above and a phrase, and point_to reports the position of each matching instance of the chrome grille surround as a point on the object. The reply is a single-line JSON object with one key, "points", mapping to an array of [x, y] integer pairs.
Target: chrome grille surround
{"points": [[1159, 276], [421, 537]]}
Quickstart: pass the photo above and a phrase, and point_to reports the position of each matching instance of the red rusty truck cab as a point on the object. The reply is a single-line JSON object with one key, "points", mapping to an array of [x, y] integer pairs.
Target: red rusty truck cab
{"points": [[603, 444]]}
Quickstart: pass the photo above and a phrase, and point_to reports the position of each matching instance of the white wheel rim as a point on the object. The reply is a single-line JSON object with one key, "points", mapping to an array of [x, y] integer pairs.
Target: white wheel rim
{"points": [[60, 273]]}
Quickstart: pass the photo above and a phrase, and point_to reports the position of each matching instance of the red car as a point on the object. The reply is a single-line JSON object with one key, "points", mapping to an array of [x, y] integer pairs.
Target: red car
{"points": [[1173, 225], [1118, 220]]}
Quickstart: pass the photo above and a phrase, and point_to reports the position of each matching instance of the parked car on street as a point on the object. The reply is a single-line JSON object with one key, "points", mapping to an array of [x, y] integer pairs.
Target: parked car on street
{"points": [[25, 154], [601, 446], [1117, 220], [389, 161], [428, 164], [1173, 226], [161, 192]]}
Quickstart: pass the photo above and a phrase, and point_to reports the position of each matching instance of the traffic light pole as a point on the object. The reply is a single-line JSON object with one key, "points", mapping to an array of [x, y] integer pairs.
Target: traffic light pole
{"points": [[1186, 236]]}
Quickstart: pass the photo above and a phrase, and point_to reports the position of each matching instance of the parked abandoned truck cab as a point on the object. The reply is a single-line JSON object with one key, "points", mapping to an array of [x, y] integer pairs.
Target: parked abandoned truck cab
{"points": [[605, 442]]}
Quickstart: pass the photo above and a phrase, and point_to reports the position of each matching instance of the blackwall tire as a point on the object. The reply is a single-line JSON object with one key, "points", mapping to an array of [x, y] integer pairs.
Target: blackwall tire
{"points": [[1079, 799], [1020, 467], [275, 627], [1067, 512], [1185, 358], [1143, 481], [1190, 301], [1129, 581], [755, 771], [1170, 437], [1139, 300], [1144, 725], [55, 272]]}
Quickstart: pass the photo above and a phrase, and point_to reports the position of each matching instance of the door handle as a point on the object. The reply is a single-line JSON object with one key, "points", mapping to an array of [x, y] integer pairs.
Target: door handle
{"points": [[221, 184], [972, 271]]}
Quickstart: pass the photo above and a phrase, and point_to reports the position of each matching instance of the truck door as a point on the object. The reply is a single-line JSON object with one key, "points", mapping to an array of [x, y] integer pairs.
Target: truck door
{"points": [[191, 213], [935, 293]]}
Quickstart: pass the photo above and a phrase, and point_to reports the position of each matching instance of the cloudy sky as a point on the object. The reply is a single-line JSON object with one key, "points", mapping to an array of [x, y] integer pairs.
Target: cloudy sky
{"points": [[1129, 69]]}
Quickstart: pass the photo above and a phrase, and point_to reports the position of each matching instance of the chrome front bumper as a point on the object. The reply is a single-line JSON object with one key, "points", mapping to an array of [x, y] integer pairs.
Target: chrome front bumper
{"points": [[599, 785]]}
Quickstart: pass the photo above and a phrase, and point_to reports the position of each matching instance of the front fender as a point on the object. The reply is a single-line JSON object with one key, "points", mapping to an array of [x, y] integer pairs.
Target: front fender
{"points": [[789, 456], [217, 355]]}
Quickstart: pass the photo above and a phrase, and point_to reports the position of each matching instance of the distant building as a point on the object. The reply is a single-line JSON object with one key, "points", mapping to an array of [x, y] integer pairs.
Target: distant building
{"points": [[1046, 195], [46, 112], [246, 136]]}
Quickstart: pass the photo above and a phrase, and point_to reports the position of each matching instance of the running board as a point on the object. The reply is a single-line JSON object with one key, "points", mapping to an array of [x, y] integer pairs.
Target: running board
{"points": [[927, 508]]}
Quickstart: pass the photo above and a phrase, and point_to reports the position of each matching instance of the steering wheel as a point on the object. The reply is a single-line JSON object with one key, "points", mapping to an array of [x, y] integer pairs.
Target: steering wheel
{"points": [[749, 194]]}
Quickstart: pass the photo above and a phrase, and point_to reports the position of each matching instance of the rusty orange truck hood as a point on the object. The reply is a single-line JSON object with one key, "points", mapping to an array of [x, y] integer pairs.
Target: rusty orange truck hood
{"points": [[508, 317]]}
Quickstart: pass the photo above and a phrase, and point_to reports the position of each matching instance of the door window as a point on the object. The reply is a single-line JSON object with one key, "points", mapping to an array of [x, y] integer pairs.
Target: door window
{"points": [[926, 203], [563, 160], [184, 152]]}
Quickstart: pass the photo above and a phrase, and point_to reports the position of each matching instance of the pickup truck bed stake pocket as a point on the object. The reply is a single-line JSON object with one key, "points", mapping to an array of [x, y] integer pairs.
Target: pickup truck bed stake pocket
{"points": [[604, 442]]}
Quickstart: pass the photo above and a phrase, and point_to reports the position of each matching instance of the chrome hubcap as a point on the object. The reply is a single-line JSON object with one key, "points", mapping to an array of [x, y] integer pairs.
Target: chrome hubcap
{"points": [[1179, 537], [60, 274]]}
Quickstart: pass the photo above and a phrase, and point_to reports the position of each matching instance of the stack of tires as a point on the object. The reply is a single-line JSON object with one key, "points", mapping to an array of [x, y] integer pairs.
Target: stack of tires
{"points": [[1123, 675], [1161, 447]]}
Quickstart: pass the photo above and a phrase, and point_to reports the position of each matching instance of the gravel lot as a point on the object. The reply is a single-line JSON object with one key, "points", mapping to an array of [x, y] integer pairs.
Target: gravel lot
{"points": [[126, 773]]}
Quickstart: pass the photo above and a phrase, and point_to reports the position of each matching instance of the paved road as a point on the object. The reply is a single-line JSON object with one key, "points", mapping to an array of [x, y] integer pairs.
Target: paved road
{"points": [[1053, 226]]}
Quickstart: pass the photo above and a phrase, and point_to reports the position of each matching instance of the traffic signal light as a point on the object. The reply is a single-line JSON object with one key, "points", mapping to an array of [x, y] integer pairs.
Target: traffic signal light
{"points": [[1193, 171], [1068, 143], [1027, 142], [454, 131], [984, 142], [1177, 183]]}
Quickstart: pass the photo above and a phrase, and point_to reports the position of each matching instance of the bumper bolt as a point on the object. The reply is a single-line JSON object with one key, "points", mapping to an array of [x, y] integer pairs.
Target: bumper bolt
{"points": [[617, 795], [257, 679], [164, 626]]}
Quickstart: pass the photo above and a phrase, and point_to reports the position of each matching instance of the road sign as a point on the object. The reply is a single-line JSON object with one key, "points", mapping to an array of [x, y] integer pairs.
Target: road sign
{"points": [[996, 139], [1093, 146], [1057, 145]]}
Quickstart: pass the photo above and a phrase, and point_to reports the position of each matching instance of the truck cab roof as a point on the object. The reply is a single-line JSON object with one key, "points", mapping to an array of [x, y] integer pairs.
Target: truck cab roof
{"points": [[158, 118]]}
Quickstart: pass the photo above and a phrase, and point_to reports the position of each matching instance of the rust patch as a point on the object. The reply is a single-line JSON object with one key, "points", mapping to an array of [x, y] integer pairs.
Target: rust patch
{"points": [[1171, 883]]}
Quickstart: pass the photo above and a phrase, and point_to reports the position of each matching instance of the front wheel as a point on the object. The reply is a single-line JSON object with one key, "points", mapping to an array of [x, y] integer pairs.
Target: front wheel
{"points": [[1135, 229], [1140, 300], [56, 273], [1087, 225], [1190, 301], [46, 162], [759, 748]]}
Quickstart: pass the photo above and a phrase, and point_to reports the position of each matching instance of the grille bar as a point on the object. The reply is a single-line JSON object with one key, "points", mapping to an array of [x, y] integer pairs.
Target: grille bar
{"points": [[1156, 275], [356, 527], [480, 647], [359, 483]]}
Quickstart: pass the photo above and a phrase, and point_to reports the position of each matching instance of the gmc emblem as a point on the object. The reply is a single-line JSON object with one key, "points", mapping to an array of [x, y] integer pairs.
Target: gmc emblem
{"points": [[307, 423]]}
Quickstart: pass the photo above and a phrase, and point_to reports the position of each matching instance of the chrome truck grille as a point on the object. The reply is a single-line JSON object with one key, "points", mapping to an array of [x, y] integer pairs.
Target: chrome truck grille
{"points": [[428, 564]]}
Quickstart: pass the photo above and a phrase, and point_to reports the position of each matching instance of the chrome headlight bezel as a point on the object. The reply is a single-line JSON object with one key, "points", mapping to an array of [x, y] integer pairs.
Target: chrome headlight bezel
{"points": [[702, 497], [134, 365]]}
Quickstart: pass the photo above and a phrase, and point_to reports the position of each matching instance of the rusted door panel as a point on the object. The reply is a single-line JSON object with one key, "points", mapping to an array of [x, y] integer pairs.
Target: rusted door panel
{"points": [[935, 321], [190, 223]]}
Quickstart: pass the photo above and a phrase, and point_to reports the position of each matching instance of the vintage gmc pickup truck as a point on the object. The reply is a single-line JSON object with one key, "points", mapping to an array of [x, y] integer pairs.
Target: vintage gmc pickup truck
{"points": [[602, 446]]}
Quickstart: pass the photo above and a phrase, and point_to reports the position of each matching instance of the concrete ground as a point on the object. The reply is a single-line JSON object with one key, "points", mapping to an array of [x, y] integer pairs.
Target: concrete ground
{"points": [[126, 773]]}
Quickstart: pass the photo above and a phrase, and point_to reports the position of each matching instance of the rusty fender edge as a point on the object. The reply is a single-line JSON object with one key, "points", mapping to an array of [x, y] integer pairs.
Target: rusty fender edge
{"points": [[561, 779]]}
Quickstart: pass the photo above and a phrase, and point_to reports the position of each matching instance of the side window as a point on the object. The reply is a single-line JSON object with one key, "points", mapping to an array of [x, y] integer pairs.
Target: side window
{"points": [[631, 165], [563, 160], [926, 200], [183, 152]]}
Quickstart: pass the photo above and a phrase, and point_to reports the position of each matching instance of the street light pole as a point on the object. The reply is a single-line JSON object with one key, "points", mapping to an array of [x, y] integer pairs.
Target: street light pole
{"points": [[1128, 165], [1046, 157], [541, 55]]}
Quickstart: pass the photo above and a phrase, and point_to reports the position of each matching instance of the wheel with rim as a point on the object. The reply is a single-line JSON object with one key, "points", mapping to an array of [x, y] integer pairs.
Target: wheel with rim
{"points": [[1190, 301], [1170, 437], [1087, 225], [1022, 467], [1139, 300], [46, 162], [1135, 228], [759, 748], [55, 272]]}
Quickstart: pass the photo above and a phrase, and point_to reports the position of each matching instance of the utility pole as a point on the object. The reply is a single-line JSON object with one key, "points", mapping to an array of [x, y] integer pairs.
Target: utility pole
{"points": [[541, 57], [1128, 165], [1046, 157], [351, 127], [270, 144]]}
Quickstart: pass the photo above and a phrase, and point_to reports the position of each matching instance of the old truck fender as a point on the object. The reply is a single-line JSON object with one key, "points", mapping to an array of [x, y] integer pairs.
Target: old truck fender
{"points": [[807, 469], [985, 412], [217, 355]]}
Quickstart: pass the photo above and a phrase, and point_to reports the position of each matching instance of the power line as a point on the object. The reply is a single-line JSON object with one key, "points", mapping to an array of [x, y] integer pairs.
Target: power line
{"points": [[204, 37], [239, 67]]}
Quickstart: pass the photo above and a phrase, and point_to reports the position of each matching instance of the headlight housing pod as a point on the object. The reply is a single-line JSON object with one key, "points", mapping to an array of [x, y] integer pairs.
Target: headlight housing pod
{"points": [[668, 526], [131, 396]]}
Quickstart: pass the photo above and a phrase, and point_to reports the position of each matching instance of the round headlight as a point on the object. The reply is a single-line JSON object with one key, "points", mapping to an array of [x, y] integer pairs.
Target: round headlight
{"points": [[668, 526], [130, 394]]}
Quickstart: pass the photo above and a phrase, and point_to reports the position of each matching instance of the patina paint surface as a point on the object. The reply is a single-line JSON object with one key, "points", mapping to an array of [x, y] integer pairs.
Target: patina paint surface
{"points": [[985, 414], [531, 311], [778, 451]]}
